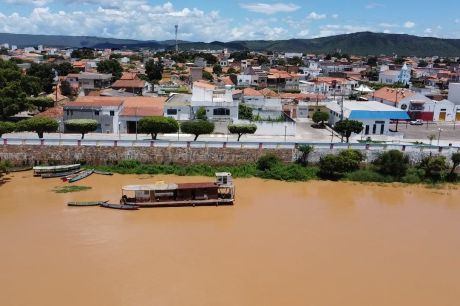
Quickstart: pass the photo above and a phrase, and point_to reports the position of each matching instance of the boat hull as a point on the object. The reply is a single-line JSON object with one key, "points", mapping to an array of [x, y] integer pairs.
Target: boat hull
{"points": [[188, 203], [119, 206]]}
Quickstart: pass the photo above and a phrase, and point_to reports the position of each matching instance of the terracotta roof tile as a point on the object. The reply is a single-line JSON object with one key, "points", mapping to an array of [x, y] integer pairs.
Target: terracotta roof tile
{"points": [[392, 94], [128, 84]]}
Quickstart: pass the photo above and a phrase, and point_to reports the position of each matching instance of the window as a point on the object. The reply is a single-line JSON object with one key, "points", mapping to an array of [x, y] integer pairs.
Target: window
{"points": [[96, 113], [171, 111], [221, 112], [112, 113]]}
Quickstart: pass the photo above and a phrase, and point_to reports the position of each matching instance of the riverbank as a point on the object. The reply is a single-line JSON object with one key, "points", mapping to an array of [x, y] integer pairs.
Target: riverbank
{"points": [[291, 172]]}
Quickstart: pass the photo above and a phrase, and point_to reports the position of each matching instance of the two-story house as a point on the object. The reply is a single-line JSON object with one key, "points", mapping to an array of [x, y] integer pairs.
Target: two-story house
{"points": [[218, 101]]}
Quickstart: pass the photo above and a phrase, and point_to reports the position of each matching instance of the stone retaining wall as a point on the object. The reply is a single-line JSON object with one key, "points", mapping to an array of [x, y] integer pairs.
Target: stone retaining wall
{"points": [[32, 155]]}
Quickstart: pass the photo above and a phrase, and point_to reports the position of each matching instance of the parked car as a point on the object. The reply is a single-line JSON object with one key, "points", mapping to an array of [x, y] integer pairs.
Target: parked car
{"points": [[416, 122]]}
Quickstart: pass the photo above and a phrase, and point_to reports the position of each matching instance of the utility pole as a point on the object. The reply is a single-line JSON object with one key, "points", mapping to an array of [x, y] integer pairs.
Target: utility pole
{"points": [[176, 27]]}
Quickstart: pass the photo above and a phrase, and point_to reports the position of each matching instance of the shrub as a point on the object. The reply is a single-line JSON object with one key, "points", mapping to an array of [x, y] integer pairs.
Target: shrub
{"points": [[268, 161], [393, 163], [413, 176], [201, 113], [290, 173], [156, 125], [40, 125], [197, 127], [367, 175], [242, 129], [81, 126], [335, 166], [6, 127]]}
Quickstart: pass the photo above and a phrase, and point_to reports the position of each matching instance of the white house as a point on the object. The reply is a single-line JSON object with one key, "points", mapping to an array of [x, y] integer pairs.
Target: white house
{"points": [[262, 106], [179, 107], [218, 102], [374, 115]]}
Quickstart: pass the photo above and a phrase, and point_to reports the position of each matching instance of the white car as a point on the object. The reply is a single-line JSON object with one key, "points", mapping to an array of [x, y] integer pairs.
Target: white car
{"points": [[416, 122]]}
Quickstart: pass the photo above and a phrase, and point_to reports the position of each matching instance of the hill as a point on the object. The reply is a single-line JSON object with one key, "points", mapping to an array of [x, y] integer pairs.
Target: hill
{"points": [[362, 43]]}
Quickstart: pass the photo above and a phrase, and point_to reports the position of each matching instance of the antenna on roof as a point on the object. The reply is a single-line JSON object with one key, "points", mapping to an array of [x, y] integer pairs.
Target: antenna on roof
{"points": [[177, 45]]}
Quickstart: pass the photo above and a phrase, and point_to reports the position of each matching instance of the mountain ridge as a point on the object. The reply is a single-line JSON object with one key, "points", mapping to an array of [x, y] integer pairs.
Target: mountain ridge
{"points": [[359, 43]]}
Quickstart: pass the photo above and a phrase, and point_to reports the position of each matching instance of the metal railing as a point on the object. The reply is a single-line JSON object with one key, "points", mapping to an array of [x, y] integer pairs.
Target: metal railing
{"points": [[227, 144]]}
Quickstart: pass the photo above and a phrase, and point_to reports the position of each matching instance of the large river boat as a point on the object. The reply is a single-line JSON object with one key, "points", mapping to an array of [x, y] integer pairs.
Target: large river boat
{"points": [[161, 194]]}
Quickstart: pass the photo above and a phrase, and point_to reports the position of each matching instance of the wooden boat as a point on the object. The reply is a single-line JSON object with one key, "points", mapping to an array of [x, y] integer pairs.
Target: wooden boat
{"points": [[81, 175], [98, 203], [19, 169], [102, 172], [119, 206], [59, 174], [39, 170], [220, 192]]}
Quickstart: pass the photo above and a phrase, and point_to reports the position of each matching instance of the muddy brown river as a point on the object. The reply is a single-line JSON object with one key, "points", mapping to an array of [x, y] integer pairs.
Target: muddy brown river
{"points": [[318, 243]]}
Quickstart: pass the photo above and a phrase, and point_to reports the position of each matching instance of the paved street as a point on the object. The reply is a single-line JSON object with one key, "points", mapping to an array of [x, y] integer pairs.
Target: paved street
{"points": [[449, 131]]}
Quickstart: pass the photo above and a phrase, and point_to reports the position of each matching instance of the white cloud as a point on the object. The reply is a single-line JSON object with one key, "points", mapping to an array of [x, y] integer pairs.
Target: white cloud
{"points": [[335, 16], [409, 24], [428, 31], [374, 5], [143, 21], [28, 2], [316, 16], [270, 8]]}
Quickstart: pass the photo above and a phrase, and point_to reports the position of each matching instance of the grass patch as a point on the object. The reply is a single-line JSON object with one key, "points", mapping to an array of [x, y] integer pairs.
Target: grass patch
{"points": [[367, 175], [278, 171], [68, 189]]}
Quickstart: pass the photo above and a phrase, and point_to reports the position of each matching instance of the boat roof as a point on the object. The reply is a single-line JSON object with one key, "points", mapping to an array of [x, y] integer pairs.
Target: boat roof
{"points": [[154, 187], [223, 174]]}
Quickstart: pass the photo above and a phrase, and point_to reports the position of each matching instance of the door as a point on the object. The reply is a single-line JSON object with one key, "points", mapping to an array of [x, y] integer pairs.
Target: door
{"points": [[374, 129], [367, 130], [457, 117], [131, 127], [442, 116], [382, 129]]}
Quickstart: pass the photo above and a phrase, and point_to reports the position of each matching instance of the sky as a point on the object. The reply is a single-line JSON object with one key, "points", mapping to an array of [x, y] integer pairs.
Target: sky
{"points": [[210, 20]]}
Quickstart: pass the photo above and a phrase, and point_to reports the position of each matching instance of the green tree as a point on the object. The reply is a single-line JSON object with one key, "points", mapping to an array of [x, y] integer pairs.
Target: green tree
{"points": [[41, 103], [347, 127], [110, 66], [217, 69], [81, 126], [320, 117], [263, 60], [207, 76], [6, 127], [242, 129], [422, 64], [45, 74], [434, 167], [157, 125], [66, 89], [65, 68], [154, 70], [197, 127], [244, 112], [231, 70], [4, 166], [295, 61], [455, 162], [40, 125], [305, 151], [393, 163], [83, 53], [201, 113]]}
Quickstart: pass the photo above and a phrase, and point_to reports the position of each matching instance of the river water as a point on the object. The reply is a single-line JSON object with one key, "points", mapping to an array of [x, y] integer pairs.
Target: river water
{"points": [[316, 243]]}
